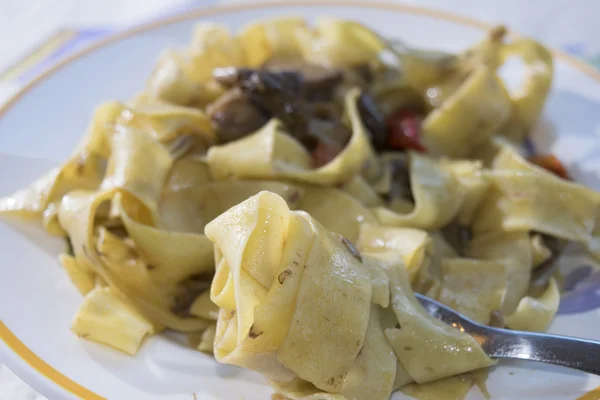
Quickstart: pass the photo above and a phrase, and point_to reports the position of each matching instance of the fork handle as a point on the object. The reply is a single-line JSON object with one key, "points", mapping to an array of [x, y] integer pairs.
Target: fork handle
{"points": [[570, 352]]}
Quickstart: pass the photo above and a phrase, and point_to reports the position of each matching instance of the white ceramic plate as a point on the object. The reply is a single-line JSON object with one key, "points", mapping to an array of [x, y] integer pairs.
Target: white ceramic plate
{"points": [[41, 126]]}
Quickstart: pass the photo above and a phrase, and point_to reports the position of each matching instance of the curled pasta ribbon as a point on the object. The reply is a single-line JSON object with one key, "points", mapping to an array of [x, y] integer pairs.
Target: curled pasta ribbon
{"points": [[213, 46], [468, 100], [469, 117], [529, 99], [326, 205], [474, 288], [172, 81], [471, 177], [513, 250], [426, 69], [525, 198], [84, 170], [387, 243], [166, 122], [437, 193], [184, 77], [270, 153], [277, 284], [304, 307], [274, 38], [418, 341], [471, 103], [536, 314], [141, 270], [161, 266], [337, 43]]}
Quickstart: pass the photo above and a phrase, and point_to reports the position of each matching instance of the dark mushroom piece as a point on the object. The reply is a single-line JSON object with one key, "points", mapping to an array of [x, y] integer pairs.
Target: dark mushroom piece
{"points": [[301, 96], [256, 82], [319, 82], [234, 116], [374, 120], [278, 94]]}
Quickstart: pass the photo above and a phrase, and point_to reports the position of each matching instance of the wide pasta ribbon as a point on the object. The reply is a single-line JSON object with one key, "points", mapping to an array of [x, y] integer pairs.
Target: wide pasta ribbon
{"points": [[528, 198], [387, 243], [84, 170], [286, 293], [338, 43], [438, 196], [475, 288], [529, 99], [298, 302], [513, 249], [468, 118], [285, 312], [536, 313], [270, 153], [159, 266], [274, 38], [155, 281]]}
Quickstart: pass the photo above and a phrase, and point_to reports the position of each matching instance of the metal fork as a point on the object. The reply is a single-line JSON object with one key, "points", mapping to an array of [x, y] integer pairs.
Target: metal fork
{"points": [[570, 352]]}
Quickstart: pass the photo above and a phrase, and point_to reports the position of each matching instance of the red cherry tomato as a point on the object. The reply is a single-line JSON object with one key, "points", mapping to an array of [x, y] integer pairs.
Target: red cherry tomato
{"points": [[404, 131], [550, 163]]}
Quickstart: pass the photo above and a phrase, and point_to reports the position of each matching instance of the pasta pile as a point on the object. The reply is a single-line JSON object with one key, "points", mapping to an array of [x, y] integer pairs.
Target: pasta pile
{"points": [[303, 270]]}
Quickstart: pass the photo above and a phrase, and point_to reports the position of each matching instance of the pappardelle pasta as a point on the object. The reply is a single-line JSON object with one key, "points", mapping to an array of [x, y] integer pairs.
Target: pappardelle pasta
{"points": [[278, 194]]}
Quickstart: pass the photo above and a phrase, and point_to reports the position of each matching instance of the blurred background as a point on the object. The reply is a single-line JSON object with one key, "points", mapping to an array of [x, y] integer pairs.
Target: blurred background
{"points": [[34, 34]]}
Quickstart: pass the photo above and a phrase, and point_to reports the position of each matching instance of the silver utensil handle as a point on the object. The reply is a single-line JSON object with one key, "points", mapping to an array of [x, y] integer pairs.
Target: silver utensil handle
{"points": [[581, 354]]}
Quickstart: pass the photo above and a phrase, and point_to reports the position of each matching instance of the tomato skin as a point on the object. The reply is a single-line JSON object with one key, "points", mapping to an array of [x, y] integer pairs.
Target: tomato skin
{"points": [[404, 131], [551, 164]]}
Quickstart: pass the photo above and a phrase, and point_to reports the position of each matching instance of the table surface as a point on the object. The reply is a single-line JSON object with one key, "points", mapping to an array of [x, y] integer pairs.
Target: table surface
{"points": [[62, 27]]}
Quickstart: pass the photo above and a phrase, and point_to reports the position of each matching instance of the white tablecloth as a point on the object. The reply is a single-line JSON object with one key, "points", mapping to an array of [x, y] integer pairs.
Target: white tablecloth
{"points": [[566, 24]]}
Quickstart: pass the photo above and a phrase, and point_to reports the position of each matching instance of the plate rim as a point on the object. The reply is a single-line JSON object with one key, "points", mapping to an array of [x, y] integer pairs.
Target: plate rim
{"points": [[12, 343]]}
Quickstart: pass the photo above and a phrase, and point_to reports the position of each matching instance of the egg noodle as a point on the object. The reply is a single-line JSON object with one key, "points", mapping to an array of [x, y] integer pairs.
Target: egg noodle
{"points": [[304, 271]]}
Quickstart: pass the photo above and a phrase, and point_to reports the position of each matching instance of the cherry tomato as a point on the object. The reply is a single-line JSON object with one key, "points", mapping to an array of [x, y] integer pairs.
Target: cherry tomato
{"points": [[404, 131], [550, 163]]}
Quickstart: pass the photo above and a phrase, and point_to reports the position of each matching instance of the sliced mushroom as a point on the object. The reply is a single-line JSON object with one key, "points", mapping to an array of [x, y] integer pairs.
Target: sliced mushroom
{"points": [[319, 82], [276, 93], [260, 82], [234, 116]]}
